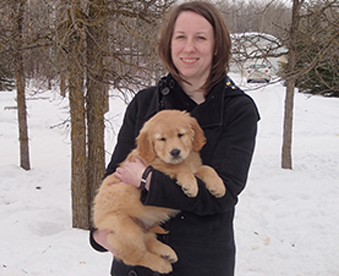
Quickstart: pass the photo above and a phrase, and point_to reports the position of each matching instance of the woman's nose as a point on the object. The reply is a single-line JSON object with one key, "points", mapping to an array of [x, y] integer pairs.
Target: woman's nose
{"points": [[189, 46]]}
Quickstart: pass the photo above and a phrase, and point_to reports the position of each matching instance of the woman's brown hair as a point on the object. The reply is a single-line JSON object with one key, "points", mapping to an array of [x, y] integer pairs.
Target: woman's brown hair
{"points": [[222, 41]]}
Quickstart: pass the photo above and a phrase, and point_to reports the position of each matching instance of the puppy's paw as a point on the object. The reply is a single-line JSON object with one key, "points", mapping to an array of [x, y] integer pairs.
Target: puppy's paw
{"points": [[156, 263], [171, 257], [188, 184], [216, 187], [161, 250], [218, 191], [163, 267], [190, 190], [213, 182]]}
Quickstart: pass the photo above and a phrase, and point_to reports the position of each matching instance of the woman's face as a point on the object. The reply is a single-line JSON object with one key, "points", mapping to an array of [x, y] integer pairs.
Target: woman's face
{"points": [[192, 46]]}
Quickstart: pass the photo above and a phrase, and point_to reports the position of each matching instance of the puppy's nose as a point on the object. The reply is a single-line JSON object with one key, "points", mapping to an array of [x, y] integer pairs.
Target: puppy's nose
{"points": [[175, 152]]}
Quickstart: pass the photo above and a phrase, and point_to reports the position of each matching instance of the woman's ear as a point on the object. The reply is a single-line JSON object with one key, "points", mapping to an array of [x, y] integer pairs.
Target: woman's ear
{"points": [[145, 148], [199, 136]]}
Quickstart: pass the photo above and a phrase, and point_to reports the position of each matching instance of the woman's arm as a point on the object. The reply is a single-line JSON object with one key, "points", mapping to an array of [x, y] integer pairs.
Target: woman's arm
{"points": [[231, 159], [98, 240]]}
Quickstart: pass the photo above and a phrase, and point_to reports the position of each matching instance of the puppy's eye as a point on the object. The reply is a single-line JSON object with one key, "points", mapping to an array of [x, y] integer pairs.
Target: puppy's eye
{"points": [[163, 139], [180, 135]]}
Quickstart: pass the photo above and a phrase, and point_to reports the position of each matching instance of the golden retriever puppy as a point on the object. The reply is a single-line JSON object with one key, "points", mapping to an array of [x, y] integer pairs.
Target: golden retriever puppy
{"points": [[169, 142]]}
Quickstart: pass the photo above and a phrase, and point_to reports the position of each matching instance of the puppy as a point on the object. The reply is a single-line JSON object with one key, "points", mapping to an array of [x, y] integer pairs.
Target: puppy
{"points": [[169, 142]]}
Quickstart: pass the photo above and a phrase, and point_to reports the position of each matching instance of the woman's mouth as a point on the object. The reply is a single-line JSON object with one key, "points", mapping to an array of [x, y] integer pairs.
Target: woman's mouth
{"points": [[189, 60]]}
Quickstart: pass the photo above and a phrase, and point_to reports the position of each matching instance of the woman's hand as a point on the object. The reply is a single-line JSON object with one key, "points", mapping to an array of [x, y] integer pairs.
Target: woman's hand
{"points": [[100, 236], [131, 172]]}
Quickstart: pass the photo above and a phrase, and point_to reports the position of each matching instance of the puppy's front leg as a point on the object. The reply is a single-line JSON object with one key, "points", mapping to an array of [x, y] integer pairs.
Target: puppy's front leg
{"points": [[187, 181], [212, 180]]}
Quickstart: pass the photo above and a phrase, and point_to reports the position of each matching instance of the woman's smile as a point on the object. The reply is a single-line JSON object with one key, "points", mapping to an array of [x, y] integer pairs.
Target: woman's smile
{"points": [[189, 61]]}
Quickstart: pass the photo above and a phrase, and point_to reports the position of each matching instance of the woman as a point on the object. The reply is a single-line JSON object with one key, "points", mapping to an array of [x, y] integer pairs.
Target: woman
{"points": [[195, 48]]}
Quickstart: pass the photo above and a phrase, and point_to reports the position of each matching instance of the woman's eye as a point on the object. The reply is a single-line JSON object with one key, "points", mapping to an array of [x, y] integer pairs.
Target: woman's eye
{"points": [[180, 135], [163, 139], [201, 38]]}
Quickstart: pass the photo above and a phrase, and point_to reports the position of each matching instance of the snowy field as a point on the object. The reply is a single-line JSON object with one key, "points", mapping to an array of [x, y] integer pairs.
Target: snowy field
{"points": [[287, 221]]}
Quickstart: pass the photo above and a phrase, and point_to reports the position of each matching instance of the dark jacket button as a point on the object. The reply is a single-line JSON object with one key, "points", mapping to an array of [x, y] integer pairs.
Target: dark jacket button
{"points": [[165, 91], [132, 273]]}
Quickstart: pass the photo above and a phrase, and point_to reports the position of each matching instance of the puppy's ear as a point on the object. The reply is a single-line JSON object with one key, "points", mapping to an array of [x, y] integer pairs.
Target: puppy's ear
{"points": [[199, 136], [145, 147]]}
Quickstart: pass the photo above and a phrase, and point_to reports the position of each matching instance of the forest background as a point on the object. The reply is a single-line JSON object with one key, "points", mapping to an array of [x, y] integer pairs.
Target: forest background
{"points": [[89, 47]]}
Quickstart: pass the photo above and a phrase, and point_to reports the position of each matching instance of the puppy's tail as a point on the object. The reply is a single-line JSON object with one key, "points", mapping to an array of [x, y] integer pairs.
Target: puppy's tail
{"points": [[158, 230]]}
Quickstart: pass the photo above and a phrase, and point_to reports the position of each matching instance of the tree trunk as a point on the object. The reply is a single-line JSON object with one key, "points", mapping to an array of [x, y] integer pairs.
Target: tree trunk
{"points": [[80, 200], [63, 83], [80, 196], [286, 162], [20, 85], [96, 96]]}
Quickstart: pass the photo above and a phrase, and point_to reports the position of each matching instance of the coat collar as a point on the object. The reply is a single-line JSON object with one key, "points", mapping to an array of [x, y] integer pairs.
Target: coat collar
{"points": [[210, 113]]}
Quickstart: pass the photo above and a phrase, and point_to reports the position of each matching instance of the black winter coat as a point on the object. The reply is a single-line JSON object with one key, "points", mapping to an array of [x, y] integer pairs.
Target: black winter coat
{"points": [[202, 234]]}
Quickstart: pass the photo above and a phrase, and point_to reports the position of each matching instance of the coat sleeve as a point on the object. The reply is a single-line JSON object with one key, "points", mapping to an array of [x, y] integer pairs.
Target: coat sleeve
{"points": [[231, 159]]}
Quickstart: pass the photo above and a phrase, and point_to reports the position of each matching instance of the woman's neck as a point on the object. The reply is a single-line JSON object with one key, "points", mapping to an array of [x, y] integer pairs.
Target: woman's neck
{"points": [[194, 92]]}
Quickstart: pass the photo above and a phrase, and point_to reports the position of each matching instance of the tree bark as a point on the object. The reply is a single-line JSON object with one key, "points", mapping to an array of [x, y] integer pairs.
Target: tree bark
{"points": [[96, 96], [286, 160], [63, 83], [80, 194], [20, 85]]}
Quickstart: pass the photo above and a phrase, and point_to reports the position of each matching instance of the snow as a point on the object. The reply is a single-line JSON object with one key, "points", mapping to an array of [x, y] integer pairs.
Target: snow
{"points": [[286, 221]]}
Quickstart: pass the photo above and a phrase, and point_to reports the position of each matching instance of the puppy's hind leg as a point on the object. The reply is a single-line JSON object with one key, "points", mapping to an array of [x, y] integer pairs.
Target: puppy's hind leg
{"points": [[129, 241], [160, 249]]}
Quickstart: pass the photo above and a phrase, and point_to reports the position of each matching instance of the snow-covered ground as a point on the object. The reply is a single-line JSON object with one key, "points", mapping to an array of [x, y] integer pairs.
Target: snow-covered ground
{"points": [[286, 221]]}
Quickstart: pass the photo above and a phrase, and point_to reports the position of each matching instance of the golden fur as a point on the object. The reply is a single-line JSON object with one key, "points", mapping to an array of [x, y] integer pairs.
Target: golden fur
{"points": [[170, 142]]}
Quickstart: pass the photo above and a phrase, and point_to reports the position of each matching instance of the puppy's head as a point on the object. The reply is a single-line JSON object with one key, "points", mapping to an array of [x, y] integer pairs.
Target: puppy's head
{"points": [[170, 135]]}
